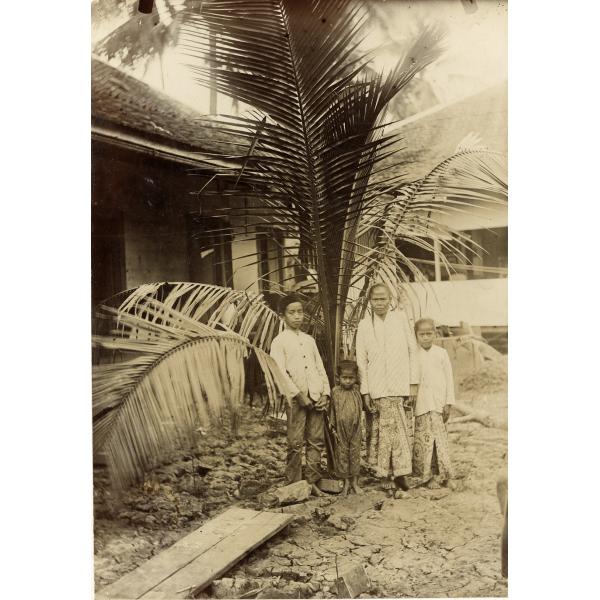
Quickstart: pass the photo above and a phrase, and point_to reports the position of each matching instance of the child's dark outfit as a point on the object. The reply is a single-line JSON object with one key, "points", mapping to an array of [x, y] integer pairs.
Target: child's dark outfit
{"points": [[345, 410]]}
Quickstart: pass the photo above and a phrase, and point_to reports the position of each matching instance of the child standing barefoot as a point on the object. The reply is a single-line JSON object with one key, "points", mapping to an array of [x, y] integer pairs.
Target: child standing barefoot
{"points": [[301, 365], [436, 393], [345, 412]]}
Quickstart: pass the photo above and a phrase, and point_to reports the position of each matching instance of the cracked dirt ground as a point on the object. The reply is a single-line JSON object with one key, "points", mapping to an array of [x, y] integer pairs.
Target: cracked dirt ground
{"points": [[435, 543]]}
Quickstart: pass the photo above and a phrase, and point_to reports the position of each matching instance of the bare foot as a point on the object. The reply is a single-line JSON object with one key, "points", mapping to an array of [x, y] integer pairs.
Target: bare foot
{"points": [[346, 488], [432, 484], [316, 491], [398, 494], [388, 487], [357, 489]]}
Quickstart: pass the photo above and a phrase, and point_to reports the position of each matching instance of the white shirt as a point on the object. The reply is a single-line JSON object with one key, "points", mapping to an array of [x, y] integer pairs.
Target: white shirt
{"points": [[436, 388], [386, 353], [298, 357]]}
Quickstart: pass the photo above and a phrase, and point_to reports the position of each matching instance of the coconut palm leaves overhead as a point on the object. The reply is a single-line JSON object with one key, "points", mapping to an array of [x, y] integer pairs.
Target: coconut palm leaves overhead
{"points": [[415, 213], [320, 114]]}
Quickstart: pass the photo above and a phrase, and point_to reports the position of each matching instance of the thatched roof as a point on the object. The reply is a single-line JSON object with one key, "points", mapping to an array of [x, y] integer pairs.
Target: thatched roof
{"points": [[122, 103], [433, 135]]}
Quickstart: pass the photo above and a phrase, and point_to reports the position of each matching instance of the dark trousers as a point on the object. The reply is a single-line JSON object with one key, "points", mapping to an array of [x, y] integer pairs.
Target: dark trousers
{"points": [[304, 427]]}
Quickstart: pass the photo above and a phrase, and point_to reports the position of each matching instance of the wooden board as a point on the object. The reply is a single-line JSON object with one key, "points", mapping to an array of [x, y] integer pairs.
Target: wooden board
{"points": [[233, 534], [222, 556]]}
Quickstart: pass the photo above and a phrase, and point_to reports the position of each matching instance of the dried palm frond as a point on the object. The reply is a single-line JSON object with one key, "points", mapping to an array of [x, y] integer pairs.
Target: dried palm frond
{"points": [[177, 374], [221, 308]]}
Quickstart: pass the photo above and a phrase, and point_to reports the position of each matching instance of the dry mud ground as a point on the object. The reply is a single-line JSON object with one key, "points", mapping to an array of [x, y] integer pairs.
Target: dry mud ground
{"points": [[436, 543]]}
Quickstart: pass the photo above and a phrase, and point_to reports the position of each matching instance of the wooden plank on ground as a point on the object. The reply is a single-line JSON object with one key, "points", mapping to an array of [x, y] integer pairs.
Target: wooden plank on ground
{"points": [[153, 572], [221, 557]]}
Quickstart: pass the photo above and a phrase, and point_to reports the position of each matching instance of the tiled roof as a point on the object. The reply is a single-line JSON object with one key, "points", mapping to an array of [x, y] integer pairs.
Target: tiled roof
{"points": [[431, 136], [122, 101]]}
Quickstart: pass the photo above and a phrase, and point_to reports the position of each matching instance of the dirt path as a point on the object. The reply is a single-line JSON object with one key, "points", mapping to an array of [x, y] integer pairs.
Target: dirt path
{"points": [[435, 543]]}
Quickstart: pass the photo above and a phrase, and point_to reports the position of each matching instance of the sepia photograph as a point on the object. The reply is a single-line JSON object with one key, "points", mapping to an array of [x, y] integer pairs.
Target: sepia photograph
{"points": [[299, 298]]}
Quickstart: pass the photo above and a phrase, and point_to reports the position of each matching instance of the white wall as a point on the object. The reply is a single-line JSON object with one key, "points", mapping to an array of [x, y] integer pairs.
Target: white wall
{"points": [[476, 217], [245, 273], [479, 302]]}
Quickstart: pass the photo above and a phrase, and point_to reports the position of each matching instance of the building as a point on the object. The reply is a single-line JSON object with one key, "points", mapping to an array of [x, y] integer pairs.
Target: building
{"points": [[151, 155], [475, 291]]}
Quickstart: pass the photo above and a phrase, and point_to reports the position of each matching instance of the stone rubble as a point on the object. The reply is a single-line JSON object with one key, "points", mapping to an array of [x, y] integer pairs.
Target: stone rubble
{"points": [[433, 543]]}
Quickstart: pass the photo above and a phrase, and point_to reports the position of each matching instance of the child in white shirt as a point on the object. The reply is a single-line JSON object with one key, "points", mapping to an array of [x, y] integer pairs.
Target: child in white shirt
{"points": [[431, 455], [298, 357]]}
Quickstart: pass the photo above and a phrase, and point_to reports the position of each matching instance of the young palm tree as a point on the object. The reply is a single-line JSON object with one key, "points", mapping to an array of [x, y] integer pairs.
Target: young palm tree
{"points": [[316, 143]]}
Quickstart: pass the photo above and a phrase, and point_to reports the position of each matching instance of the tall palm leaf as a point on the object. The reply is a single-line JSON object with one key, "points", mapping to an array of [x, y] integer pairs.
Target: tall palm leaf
{"points": [[321, 121]]}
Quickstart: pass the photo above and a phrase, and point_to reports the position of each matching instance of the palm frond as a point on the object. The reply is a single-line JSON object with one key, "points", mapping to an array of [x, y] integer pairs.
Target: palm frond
{"points": [[471, 177], [177, 374], [221, 308], [317, 132]]}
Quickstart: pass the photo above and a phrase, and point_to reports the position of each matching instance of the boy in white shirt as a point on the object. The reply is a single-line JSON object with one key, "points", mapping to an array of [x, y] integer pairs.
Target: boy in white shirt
{"points": [[298, 357], [431, 455]]}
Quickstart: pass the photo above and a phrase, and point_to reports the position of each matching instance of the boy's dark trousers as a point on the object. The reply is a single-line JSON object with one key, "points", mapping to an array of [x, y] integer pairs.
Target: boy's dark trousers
{"points": [[304, 425]]}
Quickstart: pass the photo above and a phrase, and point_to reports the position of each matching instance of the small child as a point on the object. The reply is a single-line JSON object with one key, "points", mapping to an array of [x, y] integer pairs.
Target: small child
{"points": [[345, 411], [431, 456], [298, 357]]}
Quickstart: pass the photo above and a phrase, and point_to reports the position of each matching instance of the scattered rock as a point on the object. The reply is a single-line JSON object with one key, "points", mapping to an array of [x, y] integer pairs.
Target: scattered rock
{"points": [[253, 487], [321, 514], [267, 500], [237, 587], [299, 520], [273, 592], [301, 562], [333, 486], [291, 574], [338, 522], [352, 582], [295, 492], [285, 496]]}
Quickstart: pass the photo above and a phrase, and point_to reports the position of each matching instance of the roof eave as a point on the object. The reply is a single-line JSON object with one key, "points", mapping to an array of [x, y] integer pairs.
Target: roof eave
{"points": [[133, 142]]}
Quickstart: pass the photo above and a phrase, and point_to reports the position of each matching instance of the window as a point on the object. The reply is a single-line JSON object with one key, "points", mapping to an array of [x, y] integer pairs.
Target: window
{"points": [[487, 257], [492, 261]]}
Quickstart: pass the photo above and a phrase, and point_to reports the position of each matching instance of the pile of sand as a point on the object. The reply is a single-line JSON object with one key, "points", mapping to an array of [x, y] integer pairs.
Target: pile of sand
{"points": [[492, 377]]}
